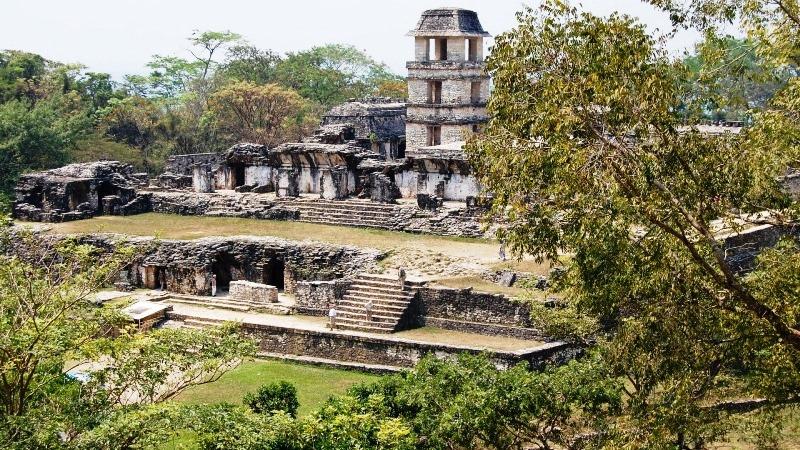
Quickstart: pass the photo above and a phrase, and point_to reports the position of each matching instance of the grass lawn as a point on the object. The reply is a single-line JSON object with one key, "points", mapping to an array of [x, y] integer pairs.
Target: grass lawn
{"points": [[314, 384], [169, 226]]}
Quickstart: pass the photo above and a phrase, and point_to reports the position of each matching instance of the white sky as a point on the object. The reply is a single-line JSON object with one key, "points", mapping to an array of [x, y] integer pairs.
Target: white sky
{"points": [[119, 36]]}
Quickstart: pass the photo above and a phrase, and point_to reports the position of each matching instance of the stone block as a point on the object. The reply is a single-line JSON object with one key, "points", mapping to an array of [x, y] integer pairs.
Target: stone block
{"points": [[253, 292]]}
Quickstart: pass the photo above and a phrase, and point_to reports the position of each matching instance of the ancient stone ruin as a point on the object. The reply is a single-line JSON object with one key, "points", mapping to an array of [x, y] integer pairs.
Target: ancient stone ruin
{"points": [[366, 153], [80, 191]]}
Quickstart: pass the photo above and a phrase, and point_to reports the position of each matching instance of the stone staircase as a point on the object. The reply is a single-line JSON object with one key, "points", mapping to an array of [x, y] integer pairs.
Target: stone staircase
{"points": [[354, 213], [390, 302]]}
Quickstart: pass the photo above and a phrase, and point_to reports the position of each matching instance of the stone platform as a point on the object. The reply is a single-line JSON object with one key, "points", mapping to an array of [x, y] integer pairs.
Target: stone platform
{"points": [[308, 337]]}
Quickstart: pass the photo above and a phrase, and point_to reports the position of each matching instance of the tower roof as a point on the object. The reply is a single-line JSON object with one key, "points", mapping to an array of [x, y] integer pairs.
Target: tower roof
{"points": [[449, 22]]}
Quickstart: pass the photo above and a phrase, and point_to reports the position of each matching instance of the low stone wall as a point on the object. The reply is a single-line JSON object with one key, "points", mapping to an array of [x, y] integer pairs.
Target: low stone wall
{"points": [[245, 205], [390, 352], [314, 297], [474, 312], [253, 292]]}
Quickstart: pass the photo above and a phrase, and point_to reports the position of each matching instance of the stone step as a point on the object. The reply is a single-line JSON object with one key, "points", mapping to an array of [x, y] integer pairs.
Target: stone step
{"points": [[216, 303], [363, 298], [353, 310], [376, 321], [346, 224], [324, 210], [342, 205], [347, 219], [382, 291], [360, 325], [357, 306]]}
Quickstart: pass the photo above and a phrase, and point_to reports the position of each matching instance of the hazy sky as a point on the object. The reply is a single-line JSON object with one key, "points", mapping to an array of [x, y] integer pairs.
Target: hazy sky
{"points": [[119, 36]]}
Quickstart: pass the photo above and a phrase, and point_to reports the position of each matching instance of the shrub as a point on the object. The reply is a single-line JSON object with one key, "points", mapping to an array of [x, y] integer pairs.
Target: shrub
{"points": [[279, 396]]}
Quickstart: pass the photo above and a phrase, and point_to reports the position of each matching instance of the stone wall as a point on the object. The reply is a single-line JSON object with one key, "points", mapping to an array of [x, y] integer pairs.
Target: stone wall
{"points": [[742, 248], [476, 312], [182, 164], [227, 204], [390, 352], [187, 266], [314, 297]]}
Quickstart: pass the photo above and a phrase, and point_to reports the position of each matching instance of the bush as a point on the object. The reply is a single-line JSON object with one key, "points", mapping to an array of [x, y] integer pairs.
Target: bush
{"points": [[280, 396]]}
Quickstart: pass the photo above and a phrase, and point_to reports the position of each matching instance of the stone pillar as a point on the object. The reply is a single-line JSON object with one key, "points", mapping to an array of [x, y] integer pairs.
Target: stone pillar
{"points": [[382, 190], [288, 185], [202, 178], [334, 183]]}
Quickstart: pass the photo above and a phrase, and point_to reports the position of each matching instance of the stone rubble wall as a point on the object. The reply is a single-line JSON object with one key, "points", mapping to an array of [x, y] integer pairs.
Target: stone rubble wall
{"points": [[474, 312], [187, 266], [314, 297]]}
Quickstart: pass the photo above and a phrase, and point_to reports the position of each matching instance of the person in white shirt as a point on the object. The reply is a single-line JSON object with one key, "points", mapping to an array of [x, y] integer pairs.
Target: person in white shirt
{"points": [[332, 317], [368, 310]]}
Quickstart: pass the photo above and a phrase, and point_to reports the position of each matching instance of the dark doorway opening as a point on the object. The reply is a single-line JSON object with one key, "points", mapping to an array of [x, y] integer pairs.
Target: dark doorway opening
{"points": [[224, 267], [238, 176], [104, 190], [78, 193], [273, 274]]}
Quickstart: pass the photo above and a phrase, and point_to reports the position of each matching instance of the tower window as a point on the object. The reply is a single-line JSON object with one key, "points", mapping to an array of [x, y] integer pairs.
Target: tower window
{"points": [[475, 92], [434, 135], [471, 49], [439, 48], [434, 92]]}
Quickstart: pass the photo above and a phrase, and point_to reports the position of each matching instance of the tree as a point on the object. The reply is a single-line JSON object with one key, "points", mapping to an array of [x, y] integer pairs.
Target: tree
{"points": [[247, 63], [332, 74], [210, 42], [585, 154], [49, 325], [727, 79], [265, 114], [39, 135]]}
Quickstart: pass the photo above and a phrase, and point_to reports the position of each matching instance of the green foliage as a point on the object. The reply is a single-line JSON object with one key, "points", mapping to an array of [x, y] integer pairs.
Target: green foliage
{"points": [[270, 398], [586, 154], [332, 74], [727, 78], [39, 135]]}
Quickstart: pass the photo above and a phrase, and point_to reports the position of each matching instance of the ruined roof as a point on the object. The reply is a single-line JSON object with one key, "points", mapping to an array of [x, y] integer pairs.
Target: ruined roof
{"points": [[449, 22], [95, 169], [383, 119], [358, 109]]}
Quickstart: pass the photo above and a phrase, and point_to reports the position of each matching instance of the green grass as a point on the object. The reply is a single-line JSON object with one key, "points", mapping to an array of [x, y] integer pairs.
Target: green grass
{"points": [[314, 384], [478, 284], [169, 226]]}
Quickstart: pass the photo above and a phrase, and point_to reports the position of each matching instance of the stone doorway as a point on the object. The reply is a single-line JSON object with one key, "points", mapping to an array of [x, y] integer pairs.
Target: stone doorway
{"points": [[273, 274], [226, 269]]}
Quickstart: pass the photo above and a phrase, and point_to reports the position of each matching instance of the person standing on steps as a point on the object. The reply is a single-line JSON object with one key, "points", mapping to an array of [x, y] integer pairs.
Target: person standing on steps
{"points": [[502, 251], [332, 316], [214, 285], [368, 310]]}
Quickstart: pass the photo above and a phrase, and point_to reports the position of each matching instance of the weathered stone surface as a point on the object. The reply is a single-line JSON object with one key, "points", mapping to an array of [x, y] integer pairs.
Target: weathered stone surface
{"points": [[253, 293], [78, 191], [188, 266], [382, 189], [315, 297]]}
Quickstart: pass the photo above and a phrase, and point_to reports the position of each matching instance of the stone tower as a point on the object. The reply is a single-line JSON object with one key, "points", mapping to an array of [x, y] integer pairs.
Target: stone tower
{"points": [[447, 82]]}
